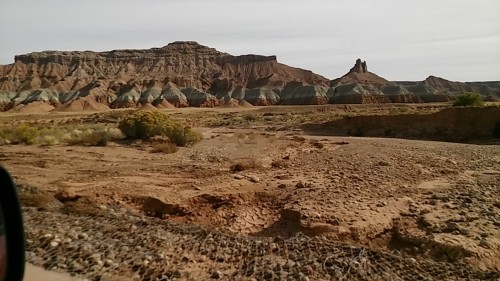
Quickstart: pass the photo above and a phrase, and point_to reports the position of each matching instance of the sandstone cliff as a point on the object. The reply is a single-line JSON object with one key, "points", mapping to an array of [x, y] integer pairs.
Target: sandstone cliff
{"points": [[185, 74], [132, 78]]}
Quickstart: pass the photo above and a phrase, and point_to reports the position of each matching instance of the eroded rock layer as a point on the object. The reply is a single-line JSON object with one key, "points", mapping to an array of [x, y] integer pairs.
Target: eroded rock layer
{"points": [[185, 74]]}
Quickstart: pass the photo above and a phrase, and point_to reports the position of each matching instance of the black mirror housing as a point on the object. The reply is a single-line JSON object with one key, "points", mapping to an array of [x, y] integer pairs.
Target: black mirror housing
{"points": [[13, 228]]}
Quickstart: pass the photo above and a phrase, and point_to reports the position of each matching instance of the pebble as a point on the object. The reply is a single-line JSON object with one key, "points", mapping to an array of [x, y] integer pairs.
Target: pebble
{"points": [[238, 177], [300, 185], [307, 269], [216, 274], [484, 243], [254, 178]]}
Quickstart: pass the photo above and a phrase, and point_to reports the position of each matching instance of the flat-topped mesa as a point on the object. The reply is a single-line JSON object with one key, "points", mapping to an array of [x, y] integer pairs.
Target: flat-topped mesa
{"points": [[245, 59], [178, 48], [122, 78], [359, 67]]}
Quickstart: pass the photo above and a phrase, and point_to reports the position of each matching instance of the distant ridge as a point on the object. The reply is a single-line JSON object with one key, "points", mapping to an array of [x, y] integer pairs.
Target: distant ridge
{"points": [[185, 73]]}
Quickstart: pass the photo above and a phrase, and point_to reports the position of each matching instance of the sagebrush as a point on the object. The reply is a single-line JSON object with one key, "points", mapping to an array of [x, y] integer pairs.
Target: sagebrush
{"points": [[147, 124]]}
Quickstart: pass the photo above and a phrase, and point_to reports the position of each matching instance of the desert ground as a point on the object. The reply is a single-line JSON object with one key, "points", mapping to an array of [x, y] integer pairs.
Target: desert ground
{"points": [[268, 194]]}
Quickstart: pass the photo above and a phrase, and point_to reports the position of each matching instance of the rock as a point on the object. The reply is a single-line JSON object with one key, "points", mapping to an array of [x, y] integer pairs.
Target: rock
{"points": [[359, 74], [300, 185], [66, 196], [238, 177], [254, 178], [268, 274], [282, 185], [307, 269], [296, 93], [382, 204], [484, 243], [451, 226], [383, 163], [261, 96], [199, 98], [497, 204], [440, 196], [216, 274], [83, 236]]}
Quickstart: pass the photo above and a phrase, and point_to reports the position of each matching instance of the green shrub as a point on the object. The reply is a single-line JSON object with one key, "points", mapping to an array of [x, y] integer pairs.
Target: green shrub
{"points": [[147, 124], [469, 99]]}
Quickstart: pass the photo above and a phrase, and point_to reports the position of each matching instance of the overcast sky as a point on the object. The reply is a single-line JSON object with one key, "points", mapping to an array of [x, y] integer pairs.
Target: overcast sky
{"points": [[400, 40]]}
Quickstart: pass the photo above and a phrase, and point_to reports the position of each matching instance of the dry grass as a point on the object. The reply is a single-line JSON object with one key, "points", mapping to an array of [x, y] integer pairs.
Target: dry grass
{"points": [[72, 135], [93, 137]]}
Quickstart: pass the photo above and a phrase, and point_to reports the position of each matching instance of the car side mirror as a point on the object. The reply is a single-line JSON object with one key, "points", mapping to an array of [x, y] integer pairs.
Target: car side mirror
{"points": [[12, 257]]}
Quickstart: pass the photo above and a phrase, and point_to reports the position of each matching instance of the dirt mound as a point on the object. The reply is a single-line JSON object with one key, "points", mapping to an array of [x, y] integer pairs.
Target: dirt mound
{"points": [[230, 103], [34, 107], [233, 103], [148, 106], [244, 103], [82, 104]]}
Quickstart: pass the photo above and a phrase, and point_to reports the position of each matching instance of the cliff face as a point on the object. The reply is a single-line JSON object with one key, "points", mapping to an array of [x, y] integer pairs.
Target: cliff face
{"points": [[123, 78], [189, 74], [187, 64]]}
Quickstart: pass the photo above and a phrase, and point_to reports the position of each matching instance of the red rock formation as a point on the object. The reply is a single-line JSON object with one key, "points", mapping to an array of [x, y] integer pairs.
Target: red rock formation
{"points": [[186, 64], [359, 74], [115, 73]]}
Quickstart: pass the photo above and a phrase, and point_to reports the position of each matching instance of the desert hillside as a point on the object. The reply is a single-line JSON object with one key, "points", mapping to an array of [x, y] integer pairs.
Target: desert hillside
{"points": [[184, 74]]}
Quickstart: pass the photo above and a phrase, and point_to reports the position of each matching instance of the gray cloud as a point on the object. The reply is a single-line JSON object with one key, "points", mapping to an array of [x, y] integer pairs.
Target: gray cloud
{"points": [[401, 40]]}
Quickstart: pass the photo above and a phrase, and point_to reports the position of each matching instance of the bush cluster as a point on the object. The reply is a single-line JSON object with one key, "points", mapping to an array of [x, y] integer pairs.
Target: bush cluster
{"points": [[147, 124]]}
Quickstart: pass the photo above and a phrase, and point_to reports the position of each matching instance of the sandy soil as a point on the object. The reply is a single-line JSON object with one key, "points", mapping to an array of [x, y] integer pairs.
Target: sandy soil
{"points": [[428, 200]]}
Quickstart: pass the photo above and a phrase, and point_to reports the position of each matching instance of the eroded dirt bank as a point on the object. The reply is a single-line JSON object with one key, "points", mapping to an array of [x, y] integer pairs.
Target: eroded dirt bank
{"points": [[449, 124]]}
